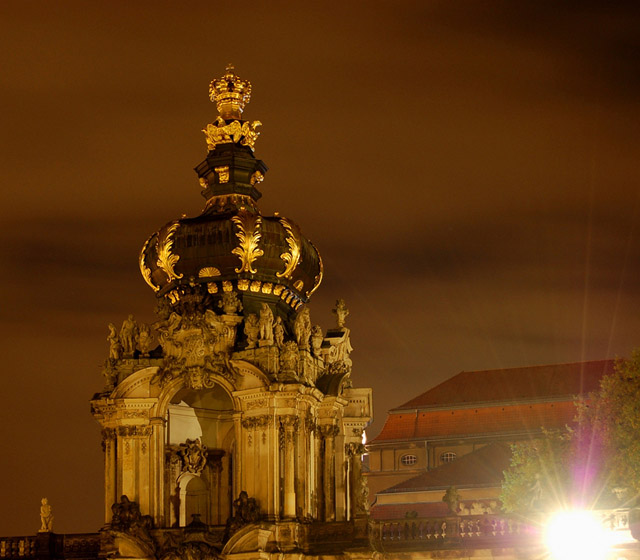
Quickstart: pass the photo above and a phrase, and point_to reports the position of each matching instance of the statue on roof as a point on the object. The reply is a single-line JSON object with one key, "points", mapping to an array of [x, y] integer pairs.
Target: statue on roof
{"points": [[302, 328], [46, 517], [128, 333], [115, 346]]}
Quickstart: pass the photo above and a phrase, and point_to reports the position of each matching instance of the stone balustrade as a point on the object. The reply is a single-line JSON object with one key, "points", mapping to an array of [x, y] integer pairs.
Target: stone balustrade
{"points": [[50, 545], [454, 531]]}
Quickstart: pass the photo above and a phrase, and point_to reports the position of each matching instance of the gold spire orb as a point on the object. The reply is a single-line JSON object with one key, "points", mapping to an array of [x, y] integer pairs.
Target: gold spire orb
{"points": [[230, 94]]}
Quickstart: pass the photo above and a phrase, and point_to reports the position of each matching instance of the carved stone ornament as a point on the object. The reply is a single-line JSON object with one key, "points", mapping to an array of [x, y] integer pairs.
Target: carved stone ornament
{"points": [[362, 495], [196, 348], [316, 340], [302, 328], [193, 455], [289, 359], [110, 373], [354, 449], [191, 550], [256, 422], [144, 338], [252, 330], [134, 431], [329, 430], [230, 304]]}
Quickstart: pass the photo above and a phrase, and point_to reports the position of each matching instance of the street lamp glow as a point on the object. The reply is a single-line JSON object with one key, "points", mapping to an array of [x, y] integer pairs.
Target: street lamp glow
{"points": [[577, 534]]}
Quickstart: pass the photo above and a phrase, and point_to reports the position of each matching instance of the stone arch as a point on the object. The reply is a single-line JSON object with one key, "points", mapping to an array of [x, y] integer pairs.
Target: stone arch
{"points": [[207, 416], [137, 385], [194, 499]]}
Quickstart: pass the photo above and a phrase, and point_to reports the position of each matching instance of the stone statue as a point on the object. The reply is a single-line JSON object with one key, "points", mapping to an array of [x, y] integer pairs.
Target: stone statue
{"points": [[252, 330], [115, 346], [316, 340], [126, 515], [343, 348], [193, 455], [341, 313], [166, 329], [246, 511], [278, 332], [144, 339], [230, 304], [302, 328], [266, 326], [127, 518], [128, 333], [46, 517]]}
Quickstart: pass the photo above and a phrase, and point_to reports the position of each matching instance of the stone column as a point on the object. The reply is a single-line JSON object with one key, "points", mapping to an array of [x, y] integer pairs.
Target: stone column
{"points": [[290, 424], [329, 433], [110, 489]]}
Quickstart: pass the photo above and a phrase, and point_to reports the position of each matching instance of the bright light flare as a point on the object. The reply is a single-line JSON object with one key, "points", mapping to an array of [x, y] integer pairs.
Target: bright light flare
{"points": [[577, 534]]}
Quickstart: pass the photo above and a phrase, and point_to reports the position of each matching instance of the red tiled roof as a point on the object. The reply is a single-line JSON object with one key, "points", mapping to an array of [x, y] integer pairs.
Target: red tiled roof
{"points": [[482, 420], [533, 382], [493, 401], [483, 467]]}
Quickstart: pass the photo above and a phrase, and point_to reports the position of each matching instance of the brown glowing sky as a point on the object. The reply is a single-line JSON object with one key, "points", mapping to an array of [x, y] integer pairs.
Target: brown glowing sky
{"points": [[468, 170]]}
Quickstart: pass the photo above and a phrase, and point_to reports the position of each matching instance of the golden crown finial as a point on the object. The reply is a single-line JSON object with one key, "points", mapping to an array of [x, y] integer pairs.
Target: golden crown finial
{"points": [[230, 94]]}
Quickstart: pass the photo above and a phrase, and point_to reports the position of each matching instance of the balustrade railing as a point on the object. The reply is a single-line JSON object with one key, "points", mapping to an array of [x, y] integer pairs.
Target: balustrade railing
{"points": [[18, 547], [450, 529]]}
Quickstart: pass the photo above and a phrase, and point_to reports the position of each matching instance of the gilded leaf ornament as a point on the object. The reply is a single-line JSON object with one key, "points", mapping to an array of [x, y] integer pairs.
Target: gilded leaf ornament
{"points": [[144, 269], [292, 257], [166, 259], [318, 279], [208, 271], [249, 236]]}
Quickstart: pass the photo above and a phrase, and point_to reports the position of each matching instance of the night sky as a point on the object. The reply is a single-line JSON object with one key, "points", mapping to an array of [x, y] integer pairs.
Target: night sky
{"points": [[468, 170]]}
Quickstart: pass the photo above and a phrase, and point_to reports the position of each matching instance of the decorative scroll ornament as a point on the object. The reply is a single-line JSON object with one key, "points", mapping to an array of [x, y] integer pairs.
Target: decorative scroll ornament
{"points": [[233, 133], [144, 269], [318, 279], [291, 258], [166, 259], [249, 236]]}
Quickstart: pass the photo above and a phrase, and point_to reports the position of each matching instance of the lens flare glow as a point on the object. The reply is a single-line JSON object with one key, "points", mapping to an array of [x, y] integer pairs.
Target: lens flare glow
{"points": [[577, 534]]}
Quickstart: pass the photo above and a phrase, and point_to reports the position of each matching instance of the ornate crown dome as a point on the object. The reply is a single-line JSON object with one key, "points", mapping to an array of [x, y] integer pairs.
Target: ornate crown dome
{"points": [[231, 246]]}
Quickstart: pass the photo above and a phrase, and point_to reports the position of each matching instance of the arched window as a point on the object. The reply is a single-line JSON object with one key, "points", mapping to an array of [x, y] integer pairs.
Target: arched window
{"points": [[448, 456], [408, 460]]}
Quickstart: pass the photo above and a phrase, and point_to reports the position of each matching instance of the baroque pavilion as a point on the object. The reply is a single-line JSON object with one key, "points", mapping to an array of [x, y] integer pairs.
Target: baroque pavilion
{"points": [[231, 428]]}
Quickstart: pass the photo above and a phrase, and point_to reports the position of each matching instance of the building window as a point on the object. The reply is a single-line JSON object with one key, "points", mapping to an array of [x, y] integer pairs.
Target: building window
{"points": [[448, 456], [408, 460]]}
